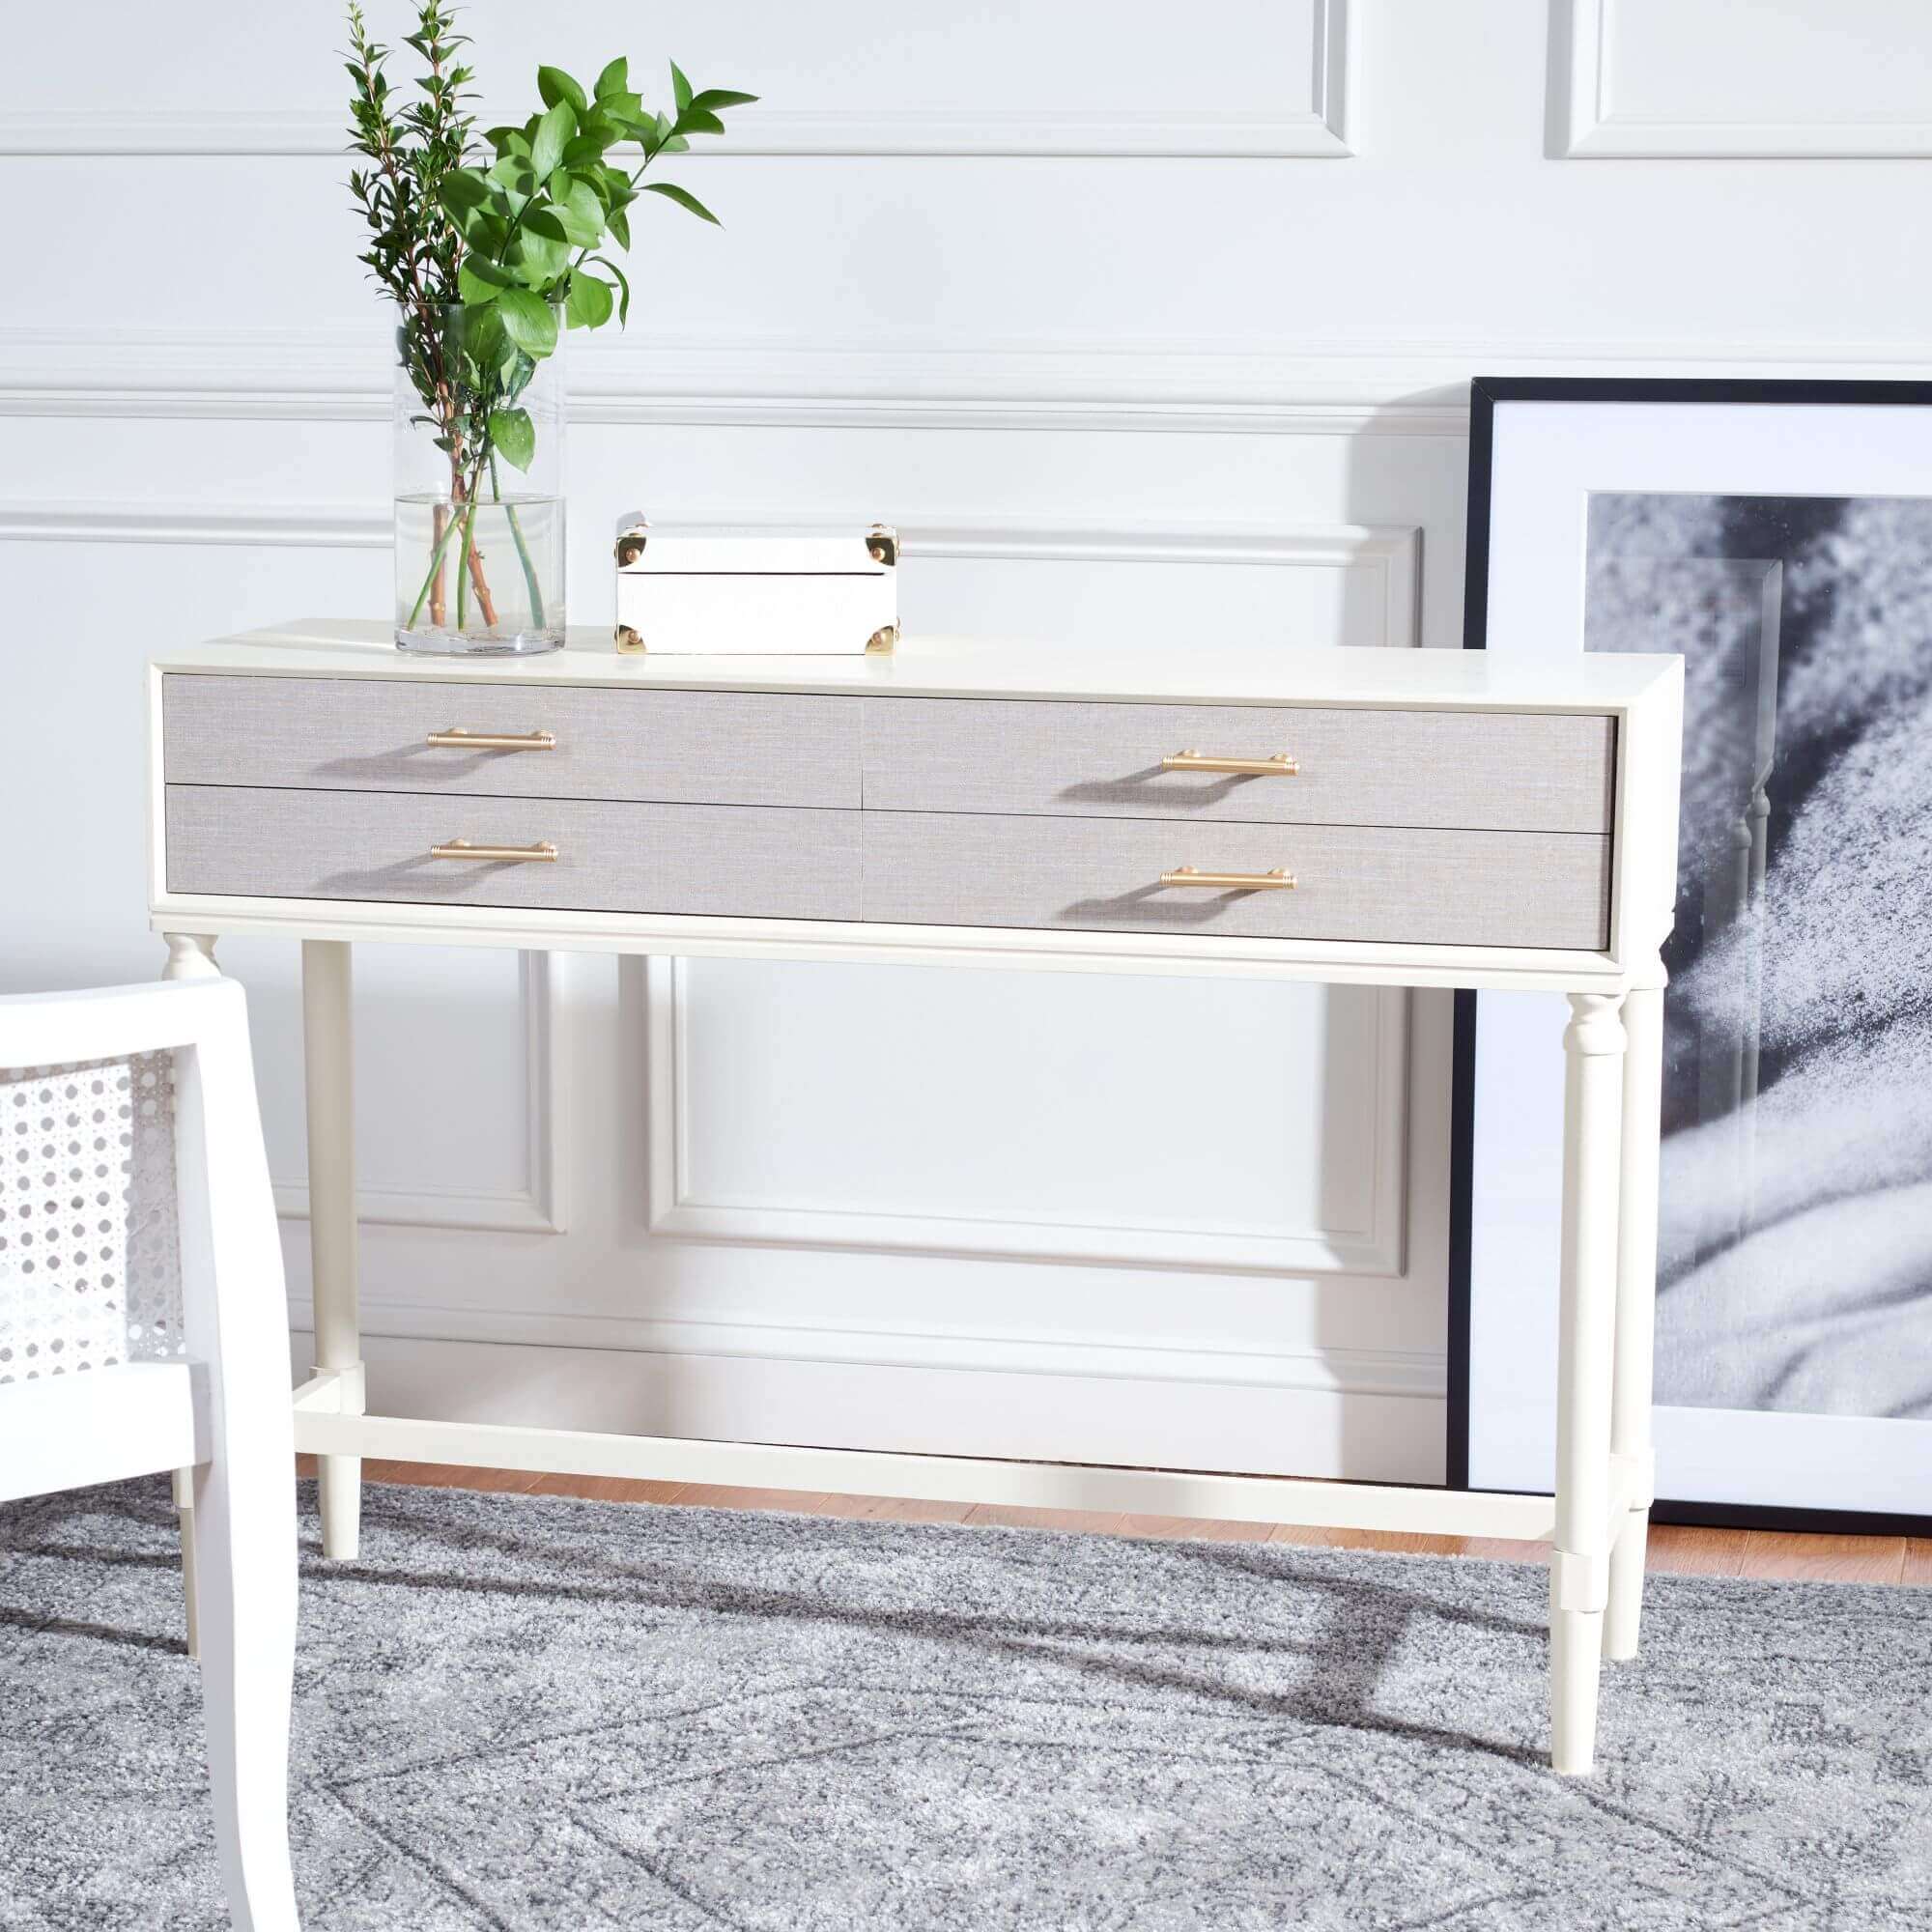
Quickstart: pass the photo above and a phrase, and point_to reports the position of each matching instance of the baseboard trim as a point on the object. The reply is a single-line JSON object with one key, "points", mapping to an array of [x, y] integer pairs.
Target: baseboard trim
{"points": [[1120, 1420]]}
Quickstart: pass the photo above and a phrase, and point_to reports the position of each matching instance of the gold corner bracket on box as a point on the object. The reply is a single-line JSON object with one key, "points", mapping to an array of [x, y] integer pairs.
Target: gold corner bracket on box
{"points": [[628, 640], [879, 644]]}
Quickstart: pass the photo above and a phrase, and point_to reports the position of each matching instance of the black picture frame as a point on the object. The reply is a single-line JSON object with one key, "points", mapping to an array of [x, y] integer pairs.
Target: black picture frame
{"points": [[1484, 393]]}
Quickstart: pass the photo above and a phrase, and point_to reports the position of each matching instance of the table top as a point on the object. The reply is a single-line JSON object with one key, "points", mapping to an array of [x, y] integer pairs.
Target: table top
{"points": [[1257, 670]]}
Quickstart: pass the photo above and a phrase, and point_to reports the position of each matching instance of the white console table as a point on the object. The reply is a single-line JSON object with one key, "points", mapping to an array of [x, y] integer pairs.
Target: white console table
{"points": [[1421, 818]]}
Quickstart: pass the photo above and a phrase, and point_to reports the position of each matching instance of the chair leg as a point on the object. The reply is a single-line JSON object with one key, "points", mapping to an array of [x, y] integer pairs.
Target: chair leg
{"points": [[185, 1510], [246, 1552], [191, 956]]}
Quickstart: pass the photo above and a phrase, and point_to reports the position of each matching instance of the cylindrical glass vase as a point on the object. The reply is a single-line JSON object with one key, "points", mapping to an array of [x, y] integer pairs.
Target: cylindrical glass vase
{"points": [[480, 428]]}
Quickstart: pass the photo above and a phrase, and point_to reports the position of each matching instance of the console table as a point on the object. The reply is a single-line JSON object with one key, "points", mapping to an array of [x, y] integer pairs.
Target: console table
{"points": [[1421, 818]]}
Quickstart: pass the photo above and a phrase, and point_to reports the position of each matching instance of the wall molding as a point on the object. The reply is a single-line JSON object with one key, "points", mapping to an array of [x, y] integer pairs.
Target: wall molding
{"points": [[1205, 133], [1185, 134], [1392, 551], [673, 1210], [1290, 1429], [341, 374], [1584, 124], [1314, 386], [536, 1208], [1412, 1373], [289, 526]]}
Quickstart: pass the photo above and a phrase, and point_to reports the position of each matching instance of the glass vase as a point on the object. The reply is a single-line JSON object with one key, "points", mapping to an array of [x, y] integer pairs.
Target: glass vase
{"points": [[479, 431]]}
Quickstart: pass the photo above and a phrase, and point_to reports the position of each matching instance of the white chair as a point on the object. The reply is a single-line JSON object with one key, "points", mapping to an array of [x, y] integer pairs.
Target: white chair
{"points": [[143, 1329]]}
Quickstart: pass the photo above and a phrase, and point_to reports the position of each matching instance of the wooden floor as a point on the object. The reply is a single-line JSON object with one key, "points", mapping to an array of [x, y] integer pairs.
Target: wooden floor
{"points": [[1767, 1554]]}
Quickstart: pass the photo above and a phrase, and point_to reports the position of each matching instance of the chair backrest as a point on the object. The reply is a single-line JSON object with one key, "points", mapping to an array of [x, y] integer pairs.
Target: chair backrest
{"points": [[135, 1217], [90, 1227]]}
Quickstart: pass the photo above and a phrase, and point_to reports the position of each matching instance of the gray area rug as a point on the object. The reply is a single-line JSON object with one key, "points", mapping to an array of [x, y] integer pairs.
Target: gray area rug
{"points": [[520, 1713]]}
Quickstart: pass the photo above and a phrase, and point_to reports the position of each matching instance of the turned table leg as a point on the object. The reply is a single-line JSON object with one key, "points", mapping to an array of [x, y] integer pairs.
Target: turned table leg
{"points": [[327, 1046], [1637, 1306], [1593, 1044]]}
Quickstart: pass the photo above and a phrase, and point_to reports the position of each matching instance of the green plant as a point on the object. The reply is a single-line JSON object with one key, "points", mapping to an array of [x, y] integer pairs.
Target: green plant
{"points": [[481, 254]]}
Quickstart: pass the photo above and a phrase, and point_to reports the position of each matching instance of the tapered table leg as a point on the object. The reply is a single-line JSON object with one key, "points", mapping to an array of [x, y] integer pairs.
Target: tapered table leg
{"points": [[327, 1046], [1637, 1305], [1593, 1044]]}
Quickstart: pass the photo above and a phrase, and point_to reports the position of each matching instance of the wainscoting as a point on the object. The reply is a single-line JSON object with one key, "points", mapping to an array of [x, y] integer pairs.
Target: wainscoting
{"points": [[1132, 334]]}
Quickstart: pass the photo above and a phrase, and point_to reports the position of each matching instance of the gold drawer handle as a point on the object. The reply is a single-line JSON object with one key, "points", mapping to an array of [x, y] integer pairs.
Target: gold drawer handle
{"points": [[460, 849], [457, 740], [1230, 882], [1280, 766]]}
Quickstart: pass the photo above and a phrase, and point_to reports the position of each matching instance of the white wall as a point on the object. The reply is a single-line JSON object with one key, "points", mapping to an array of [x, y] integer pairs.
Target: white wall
{"points": [[1129, 328]]}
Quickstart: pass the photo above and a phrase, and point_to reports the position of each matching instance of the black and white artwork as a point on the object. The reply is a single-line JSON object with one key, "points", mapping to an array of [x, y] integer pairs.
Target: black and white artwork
{"points": [[1794, 1249], [1724, 522]]}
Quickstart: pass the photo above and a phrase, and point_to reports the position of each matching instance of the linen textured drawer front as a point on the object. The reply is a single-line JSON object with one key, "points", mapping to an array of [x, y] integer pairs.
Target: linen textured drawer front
{"points": [[371, 734], [1482, 770], [1393, 884], [747, 862]]}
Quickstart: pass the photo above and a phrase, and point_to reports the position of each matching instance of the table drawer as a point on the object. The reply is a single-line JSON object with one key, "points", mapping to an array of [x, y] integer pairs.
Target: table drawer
{"points": [[1396, 885], [1482, 770], [371, 734], [768, 863]]}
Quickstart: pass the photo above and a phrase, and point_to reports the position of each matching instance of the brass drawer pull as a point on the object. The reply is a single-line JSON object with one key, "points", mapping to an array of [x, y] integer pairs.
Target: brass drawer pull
{"points": [[1280, 766], [1230, 882], [458, 740], [460, 849]]}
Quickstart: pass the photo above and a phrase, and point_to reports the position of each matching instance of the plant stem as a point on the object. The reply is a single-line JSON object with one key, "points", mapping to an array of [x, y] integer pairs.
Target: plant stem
{"points": [[467, 517], [434, 566], [473, 557], [523, 549]]}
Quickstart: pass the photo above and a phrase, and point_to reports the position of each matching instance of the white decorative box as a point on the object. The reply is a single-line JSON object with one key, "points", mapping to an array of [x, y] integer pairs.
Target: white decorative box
{"points": [[757, 592]]}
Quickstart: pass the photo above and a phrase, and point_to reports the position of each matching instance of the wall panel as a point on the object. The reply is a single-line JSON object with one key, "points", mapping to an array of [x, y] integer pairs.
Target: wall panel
{"points": [[1059, 292]]}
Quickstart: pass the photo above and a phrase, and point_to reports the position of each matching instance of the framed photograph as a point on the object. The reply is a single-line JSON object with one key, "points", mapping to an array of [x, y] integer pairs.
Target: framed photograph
{"points": [[1780, 536]]}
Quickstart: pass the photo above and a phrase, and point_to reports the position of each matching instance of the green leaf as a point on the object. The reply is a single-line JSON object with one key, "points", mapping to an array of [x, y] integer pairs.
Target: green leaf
{"points": [[479, 281], [538, 256], [554, 130], [488, 232], [515, 173], [484, 341], [529, 322], [623, 283], [589, 303], [680, 87], [582, 214], [696, 121], [508, 140], [684, 199], [542, 219], [619, 225], [555, 85], [460, 189], [514, 434], [614, 79], [715, 97], [600, 125]]}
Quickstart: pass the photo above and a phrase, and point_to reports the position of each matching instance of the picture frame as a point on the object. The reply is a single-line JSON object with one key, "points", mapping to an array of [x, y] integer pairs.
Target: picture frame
{"points": [[1759, 526]]}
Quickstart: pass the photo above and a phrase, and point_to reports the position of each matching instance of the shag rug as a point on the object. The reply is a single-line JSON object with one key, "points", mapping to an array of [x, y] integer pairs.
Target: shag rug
{"points": [[518, 1713]]}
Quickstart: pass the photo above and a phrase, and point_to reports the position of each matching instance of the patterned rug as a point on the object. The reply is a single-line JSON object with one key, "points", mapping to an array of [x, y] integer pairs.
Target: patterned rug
{"points": [[518, 1713]]}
